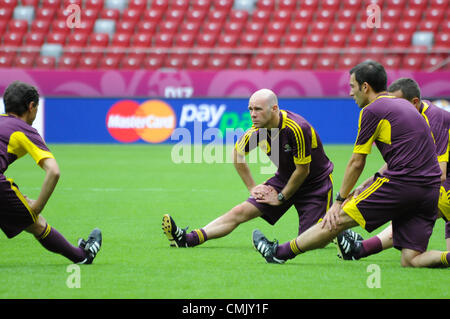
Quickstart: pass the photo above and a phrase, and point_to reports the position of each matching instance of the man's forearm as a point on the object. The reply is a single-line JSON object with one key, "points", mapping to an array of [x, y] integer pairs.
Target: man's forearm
{"points": [[244, 171], [295, 181], [352, 173]]}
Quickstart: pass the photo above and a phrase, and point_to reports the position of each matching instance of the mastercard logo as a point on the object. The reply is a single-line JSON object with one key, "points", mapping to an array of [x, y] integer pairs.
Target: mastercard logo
{"points": [[153, 121]]}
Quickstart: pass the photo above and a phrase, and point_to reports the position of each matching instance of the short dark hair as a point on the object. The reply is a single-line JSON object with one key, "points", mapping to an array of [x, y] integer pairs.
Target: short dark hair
{"points": [[18, 96], [409, 88], [371, 72]]}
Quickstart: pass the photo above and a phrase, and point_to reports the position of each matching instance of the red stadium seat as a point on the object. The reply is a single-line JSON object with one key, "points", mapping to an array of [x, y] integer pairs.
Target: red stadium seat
{"points": [[401, 40], [227, 40], [261, 16], [131, 63], [160, 5], [190, 27], [380, 40], [303, 62], [111, 14], [51, 4], [181, 5], [256, 28], [284, 16], [196, 62], [418, 4], [147, 27], [121, 39], [56, 38], [98, 39], [358, 40], [346, 15], [151, 15], [34, 39], [351, 4], [90, 14], [213, 28], [174, 15], [412, 63], [270, 40], [31, 3], [336, 40], [6, 61], [87, 62], [392, 14], [60, 26], [233, 28], [248, 40], [45, 13], [326, 62], [298, 27], [201, 4], [292, 41], [342, 27], [137, 4], [241, 16], [432, 61], [445, 26], [23, 62], [305, 15], [396, 4], [77, 39], [175, 61], [332, 5], [3, 26], [347, 61], [206, 40], [267, 5], [125, 27], [141, 40], [8, 3], [94, 4], [18, 26], [13, 39], [324, 15], [315, 40], [392, 62], [45, 62], [216, 16], [222, 5], [289, 5], [442, 40], [153, 62], [309, 4], [439, 4], [412, 14], [361, 27], [407, 26], [184, 40], [282, 62], [238, 62], [434, 14], [196, 15], [428, 25], [260, 62], [320, 27], [41, 26], [131, 15], [277, 27], [217, 61], [163, 40], [168, 27]]}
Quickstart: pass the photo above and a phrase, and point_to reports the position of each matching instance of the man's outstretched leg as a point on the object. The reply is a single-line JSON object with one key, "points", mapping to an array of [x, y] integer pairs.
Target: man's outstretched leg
{"points": [[218, 228], [53, 241], [313, 238]]}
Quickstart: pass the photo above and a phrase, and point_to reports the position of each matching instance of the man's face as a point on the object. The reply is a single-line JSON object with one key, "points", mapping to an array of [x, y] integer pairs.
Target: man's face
{"points": [[357, 93], [260, 113]]}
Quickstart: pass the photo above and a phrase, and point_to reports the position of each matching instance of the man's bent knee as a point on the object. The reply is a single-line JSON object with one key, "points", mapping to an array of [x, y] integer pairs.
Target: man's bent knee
{"points": [[244, 212], [38, 226]]}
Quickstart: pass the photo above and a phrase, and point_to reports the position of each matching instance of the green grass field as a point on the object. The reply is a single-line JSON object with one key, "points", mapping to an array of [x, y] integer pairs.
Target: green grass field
{"points": [[125, 190]]}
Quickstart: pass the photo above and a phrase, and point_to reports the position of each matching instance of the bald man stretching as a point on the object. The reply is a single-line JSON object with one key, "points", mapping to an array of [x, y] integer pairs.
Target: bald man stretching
{"points": [[303, 178]]}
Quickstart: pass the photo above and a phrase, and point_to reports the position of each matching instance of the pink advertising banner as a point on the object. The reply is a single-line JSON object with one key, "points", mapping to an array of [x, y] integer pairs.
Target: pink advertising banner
{"points": [[185, 84]]}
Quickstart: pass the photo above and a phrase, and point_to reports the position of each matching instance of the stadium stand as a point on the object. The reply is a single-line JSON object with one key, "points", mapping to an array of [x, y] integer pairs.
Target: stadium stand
{"points": [[221, 34]]}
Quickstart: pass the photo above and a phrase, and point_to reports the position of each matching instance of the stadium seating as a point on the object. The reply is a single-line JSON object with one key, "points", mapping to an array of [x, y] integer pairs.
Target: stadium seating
{"points": [[250, 34]]}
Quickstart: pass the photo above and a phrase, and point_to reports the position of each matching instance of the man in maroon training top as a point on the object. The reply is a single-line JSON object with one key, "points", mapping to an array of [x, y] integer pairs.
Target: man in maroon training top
{"points": [[406, 191], [17, 211], [303, 178]]}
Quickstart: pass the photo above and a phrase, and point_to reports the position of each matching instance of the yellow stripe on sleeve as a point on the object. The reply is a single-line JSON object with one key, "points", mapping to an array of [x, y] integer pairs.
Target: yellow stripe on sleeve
{"points": [[19, 144]]}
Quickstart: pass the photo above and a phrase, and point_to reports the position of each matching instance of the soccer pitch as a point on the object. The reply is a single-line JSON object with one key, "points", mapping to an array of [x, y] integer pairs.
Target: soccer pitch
{"points": [[125, 190]]}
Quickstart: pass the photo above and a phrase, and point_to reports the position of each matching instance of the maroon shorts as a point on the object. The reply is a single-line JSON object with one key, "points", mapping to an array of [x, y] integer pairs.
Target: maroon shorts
{"points": [[311, 203], [15, 214], [412, 209]]}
